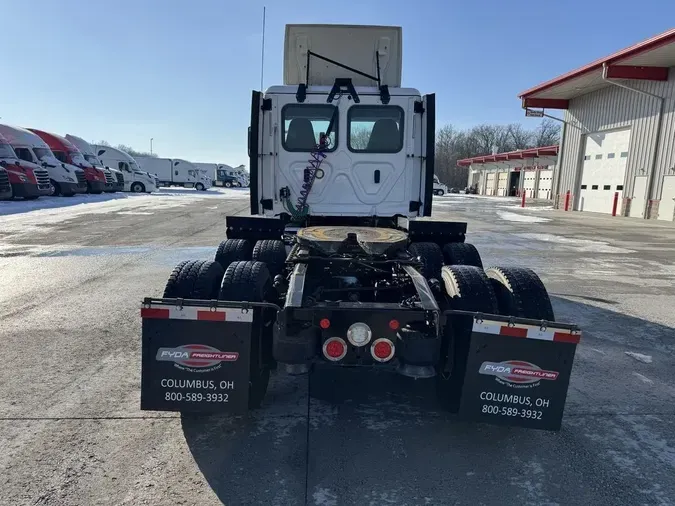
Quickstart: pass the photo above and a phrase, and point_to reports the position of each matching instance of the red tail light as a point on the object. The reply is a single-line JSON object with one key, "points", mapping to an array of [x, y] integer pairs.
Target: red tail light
{"points": [[382, 350], [334, 349], [324, 323], [394, 325]]}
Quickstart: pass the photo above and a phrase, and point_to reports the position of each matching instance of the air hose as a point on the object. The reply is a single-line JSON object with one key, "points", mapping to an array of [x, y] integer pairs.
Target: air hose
{"points": [[301, 210]]}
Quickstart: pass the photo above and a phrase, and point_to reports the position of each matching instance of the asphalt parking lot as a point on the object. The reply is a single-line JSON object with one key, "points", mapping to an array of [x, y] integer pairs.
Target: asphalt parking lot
{"points": [[71, 431]]}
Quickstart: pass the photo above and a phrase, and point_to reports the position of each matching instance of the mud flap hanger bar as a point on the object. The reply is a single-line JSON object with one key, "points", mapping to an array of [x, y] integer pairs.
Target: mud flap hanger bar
{"points": [[344, 84], [213, 304]]}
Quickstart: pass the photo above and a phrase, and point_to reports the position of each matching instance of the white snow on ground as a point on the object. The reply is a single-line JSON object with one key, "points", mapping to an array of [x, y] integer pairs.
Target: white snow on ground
{"points": [[647, 359], [24, 217], [505, 215], [585, 245], [527, 208]]}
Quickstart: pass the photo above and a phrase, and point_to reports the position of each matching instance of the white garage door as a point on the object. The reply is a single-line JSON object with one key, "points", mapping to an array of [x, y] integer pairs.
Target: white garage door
{"points": [[490, 184], [529, 182], [604, 170], [503, 183], [667, 204], [545, 184]]}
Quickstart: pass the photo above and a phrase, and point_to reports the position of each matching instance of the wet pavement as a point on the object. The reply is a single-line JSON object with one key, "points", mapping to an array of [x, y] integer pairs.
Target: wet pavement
{"points": [[71, 431]]}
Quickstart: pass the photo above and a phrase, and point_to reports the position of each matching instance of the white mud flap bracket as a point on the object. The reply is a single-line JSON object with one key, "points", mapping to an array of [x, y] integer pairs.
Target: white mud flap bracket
{"points": [[195, 356], [517, 374]]}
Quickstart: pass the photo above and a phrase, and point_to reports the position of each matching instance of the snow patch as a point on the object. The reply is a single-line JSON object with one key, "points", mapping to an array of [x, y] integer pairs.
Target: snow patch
{"points": [[585, 245], [505, 215], [324, 497], [135, 213], [646, 359], [644, 379]]}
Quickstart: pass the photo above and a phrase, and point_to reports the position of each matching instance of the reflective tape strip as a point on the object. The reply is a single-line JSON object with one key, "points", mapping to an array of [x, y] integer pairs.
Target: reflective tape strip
{"points": [[197, 313], [527, 332]]}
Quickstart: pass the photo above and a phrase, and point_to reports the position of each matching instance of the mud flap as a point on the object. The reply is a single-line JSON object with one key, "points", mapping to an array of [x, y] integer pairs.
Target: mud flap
{"points": [[518, 374], [195, 358]]}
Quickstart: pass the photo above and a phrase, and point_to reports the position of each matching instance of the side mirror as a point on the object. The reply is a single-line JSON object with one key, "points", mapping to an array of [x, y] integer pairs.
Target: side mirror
{"points": [[3, 163], [18, 162], [44, 164]]}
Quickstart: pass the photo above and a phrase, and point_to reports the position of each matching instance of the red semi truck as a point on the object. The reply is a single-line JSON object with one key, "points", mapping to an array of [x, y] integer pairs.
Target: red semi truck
{"points": [[26, 179], [66, 152]]}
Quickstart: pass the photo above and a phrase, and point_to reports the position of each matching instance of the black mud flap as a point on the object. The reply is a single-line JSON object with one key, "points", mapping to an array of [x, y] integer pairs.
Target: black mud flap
{"points": [[195, 357], [518, 374]]}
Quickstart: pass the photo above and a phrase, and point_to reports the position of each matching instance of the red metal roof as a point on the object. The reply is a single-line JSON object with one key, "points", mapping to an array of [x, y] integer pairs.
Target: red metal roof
{"points": [[623, 56], [511, 155]]}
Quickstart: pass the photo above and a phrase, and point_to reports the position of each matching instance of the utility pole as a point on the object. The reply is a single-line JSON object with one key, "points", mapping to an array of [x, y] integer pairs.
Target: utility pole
{"points": [[151, 139]]}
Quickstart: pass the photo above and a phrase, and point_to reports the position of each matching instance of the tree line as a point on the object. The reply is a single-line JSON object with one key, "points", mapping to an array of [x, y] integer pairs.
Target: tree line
{"points": [[453, 144], [127, 149]]}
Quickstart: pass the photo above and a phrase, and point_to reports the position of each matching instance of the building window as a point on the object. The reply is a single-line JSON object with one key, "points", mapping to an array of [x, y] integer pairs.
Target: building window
{"points": [[607, 187], [624, 154], [304, 123], [619, 187], [598, 157], [375, 129], [583, 186], [587, 157], [594, 187], [610, 155]]}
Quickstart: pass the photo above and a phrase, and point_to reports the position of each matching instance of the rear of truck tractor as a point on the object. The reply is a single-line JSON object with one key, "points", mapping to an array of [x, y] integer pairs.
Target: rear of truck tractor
{"points": [[356, 296], [340, 265]]}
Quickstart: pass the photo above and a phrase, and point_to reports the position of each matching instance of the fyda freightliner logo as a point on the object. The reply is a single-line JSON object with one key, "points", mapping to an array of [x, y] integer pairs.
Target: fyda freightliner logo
{"points": [[517, 374], [196, 357]]}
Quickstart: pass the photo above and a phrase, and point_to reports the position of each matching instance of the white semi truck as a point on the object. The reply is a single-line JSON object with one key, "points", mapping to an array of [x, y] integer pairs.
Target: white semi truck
{"points": [[114, 177], [136, 180], [174, 172], [338, 266]]}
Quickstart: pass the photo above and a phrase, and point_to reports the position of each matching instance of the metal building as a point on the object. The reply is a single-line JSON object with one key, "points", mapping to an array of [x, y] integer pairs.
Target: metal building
{"points": [[618, 131], [511, 174]]}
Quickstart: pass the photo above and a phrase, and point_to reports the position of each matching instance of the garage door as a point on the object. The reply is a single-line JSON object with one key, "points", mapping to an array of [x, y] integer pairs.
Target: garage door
{"points": [[545, 184], [503, 183], [529, 182], [490, 184], [604, 170], [667, 204]]}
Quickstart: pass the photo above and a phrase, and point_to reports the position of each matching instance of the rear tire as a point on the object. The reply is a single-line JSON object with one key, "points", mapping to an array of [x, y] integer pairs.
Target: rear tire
{"points": [[194, 279], [250, 281], [233, 250], [431, 256], [461, 253], [199, 187], [520, 293], [228, 184], [273, 253], [468, 289]]}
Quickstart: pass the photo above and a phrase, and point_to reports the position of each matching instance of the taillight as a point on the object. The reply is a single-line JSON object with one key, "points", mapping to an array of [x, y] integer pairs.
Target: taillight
{"points": [[324, 323], [394, 324], [382, 350], [334, 349]]}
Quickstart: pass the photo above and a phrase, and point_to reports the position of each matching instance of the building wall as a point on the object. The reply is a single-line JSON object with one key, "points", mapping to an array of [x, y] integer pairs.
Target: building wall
{"points": [[614, 108]]}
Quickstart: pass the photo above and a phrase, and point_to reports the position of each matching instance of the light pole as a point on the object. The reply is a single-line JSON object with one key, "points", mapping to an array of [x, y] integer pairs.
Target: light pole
{"points": [[151, 139]]}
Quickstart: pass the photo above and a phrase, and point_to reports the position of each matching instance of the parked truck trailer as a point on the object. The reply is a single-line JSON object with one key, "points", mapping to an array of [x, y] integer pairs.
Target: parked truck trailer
{"points": [[338, 265]]}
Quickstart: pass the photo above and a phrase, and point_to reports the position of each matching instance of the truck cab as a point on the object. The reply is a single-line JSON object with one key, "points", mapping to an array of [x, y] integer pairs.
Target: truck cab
{"points": [[114, 178], [224, 176], [66, 152], [27, 180], [135, 179], [65, 179], [367, 139]]}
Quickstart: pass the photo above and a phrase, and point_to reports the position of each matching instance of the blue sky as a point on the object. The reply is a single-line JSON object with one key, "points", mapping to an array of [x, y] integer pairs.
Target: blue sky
{"points": [[181, 71]]}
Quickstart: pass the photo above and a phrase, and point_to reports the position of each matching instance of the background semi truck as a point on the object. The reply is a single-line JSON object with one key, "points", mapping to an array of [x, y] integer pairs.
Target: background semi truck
{"points": [[114, 178], [28, 180], [338, 266], [67, 152], [174, 172], [65, 179], [136, 180]]}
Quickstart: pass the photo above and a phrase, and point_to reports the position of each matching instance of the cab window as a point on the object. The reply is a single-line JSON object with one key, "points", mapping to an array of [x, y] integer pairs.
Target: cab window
{"points": [[123, 166], [60, 156], [304, 123], [375, 129], [24, 154]]}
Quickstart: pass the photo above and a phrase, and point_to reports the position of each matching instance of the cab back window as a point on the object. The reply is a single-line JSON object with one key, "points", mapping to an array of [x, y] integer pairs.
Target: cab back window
{"points": [[304, 123], [375, 129]]}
